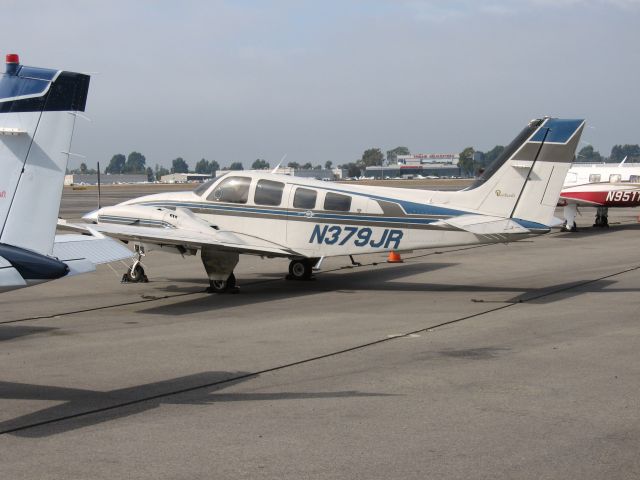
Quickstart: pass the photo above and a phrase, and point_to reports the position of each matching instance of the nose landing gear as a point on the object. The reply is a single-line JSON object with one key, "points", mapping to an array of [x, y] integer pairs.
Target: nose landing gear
{"points": [[136, 274]]}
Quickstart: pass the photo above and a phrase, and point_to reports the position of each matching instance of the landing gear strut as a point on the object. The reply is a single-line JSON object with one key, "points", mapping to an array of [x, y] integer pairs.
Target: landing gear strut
{"points": [[135, 274], [602, 217], [570, 212], [301, 269]]}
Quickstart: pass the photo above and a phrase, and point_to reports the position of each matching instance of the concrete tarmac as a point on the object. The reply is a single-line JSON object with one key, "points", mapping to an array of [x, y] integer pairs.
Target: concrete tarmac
{"points": [[502, 361]]}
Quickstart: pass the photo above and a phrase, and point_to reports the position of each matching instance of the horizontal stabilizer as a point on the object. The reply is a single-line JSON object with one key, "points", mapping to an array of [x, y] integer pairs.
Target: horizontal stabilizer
{"points": [[94, 249], [486, 225]]}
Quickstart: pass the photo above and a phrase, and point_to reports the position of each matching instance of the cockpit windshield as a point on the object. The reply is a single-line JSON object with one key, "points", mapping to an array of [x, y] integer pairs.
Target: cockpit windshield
{"points": [[202, 189]]}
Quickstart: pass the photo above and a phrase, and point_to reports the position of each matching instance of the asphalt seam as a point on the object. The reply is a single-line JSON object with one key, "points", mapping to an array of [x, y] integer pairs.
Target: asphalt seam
{"points": [[306, 360]]}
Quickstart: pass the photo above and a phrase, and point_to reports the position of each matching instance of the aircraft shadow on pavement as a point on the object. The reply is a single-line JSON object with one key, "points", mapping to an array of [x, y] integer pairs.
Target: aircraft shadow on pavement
{"points": [[11, 332], [382, 279], [197, 389]]}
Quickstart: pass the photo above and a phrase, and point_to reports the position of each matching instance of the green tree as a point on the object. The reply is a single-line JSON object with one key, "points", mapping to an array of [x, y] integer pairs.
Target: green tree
{"points": [[328, 164], [295, 165], [317, 167], [372, 157], [260, 164], [136, 163], [208, 167], [352, 168], [466, 161], [492, 154], [178, 165], [83, 167], [236, 166], [160, 172], [307, 166], [618, 152], [392, 155], [150, 176], [116, 164], [588, 154]]}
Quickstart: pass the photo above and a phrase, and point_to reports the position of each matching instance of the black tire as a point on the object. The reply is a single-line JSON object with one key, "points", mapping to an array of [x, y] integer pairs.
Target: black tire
{"points": [[301, 269], [136, 275], [222, 286]]}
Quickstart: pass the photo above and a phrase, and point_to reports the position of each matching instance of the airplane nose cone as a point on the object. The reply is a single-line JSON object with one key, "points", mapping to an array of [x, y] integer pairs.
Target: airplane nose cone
{"points": [[91, 217]]}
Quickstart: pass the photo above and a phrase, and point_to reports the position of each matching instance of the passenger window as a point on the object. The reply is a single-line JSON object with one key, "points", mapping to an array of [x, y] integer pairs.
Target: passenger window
{"points": [[232, 190], [335, 201], [615, 178], [594, 178], [634, 178], [268, 192], [305, 198]]}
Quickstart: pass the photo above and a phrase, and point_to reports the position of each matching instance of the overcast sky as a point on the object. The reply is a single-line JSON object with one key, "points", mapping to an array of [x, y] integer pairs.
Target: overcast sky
{"points": [[324, 80]]}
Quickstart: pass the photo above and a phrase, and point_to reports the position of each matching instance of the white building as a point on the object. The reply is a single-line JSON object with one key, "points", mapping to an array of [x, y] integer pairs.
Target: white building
{"points": [[429, 158]]}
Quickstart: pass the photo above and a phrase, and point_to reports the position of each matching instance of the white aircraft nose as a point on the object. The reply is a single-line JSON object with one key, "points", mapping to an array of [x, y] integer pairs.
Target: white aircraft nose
{"points": [[91, 216]]}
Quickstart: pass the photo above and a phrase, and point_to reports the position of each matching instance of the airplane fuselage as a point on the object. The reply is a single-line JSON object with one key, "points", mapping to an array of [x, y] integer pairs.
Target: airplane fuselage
{"points": [[315, 218]]}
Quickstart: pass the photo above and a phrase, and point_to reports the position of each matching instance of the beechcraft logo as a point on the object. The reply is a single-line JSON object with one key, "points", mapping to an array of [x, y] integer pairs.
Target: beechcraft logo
{"points": [[500, 193]]}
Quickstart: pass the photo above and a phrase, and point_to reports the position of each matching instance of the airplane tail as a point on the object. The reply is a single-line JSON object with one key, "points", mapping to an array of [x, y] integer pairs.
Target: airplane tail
{"points": [[523, 184], [37, 115]]}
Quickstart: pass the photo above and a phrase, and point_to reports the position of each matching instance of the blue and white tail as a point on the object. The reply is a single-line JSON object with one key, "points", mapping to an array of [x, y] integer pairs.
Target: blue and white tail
{"points": [[37, 115], [524, 183]]}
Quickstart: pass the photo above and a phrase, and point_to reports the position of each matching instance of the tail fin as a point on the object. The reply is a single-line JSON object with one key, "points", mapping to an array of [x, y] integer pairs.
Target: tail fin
{"points": [[37, 117], [524, 183]]}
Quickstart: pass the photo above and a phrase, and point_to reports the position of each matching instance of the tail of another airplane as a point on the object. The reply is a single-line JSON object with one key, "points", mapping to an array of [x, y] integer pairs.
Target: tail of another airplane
{"points": [[524, 183], [37, 116]]}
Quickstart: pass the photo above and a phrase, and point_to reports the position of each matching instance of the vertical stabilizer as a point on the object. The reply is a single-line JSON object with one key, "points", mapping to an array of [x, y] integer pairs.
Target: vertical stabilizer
{"points": [[524, 183], [37, 116]]}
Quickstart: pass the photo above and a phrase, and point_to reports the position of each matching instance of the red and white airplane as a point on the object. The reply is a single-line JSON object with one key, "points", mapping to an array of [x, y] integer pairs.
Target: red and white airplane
{"points": [[602, 186]]}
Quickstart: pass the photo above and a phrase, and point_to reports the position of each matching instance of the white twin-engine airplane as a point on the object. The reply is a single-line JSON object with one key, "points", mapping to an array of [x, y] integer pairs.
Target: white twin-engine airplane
{"points": [[306, 220], [38, 110]]}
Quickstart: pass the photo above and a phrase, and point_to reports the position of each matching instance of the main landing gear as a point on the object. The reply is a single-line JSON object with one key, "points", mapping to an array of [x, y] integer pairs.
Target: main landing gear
{"points": [[602, 217], [223, 286], [136, 274], [302, 268], [219, 266]]}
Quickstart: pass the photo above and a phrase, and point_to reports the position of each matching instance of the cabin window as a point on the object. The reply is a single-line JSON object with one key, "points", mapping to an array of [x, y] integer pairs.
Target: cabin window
{"points": [[268, 192], [305, 198], [634, 178], [594, 178], [231, 190], [335, 201], [615, 178]]}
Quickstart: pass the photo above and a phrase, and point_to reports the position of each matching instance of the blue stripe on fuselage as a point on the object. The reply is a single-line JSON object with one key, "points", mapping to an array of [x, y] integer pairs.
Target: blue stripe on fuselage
{"points": [[316, 215]]}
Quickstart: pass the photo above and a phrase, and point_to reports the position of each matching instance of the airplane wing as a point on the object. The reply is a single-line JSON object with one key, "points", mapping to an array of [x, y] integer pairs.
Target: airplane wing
{"points": [[220, 239]]}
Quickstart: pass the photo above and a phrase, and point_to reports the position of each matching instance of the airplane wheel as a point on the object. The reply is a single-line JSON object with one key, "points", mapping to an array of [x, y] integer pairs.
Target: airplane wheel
{"points": [[301, 269], [135, 275], [222, 286]]}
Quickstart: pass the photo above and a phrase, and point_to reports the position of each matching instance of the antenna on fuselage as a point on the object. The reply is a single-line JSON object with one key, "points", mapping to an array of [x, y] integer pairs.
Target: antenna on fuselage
{"points": [[99, 206], [622, 162], [279, 163]]}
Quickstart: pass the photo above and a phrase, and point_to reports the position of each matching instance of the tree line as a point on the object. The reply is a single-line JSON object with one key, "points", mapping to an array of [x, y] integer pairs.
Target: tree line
{"points": [[470, 163]]}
